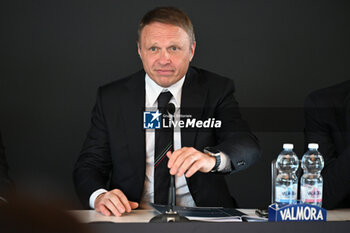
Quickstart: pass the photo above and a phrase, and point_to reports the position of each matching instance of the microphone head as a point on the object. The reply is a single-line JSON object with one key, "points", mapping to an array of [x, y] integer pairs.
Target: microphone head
{"points": [[171, 108]]}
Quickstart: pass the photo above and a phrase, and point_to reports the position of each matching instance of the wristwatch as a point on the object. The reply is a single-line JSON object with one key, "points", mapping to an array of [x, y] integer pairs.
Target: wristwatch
{"points": [[215, 153]]}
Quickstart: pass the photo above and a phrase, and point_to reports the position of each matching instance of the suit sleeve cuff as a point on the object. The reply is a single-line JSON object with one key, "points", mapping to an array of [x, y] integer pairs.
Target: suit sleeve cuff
{"points": [[94, 195], [225, 165]]}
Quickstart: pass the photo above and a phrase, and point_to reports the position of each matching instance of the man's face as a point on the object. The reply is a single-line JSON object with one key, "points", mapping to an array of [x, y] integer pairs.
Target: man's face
{"points": [[166, 52]]}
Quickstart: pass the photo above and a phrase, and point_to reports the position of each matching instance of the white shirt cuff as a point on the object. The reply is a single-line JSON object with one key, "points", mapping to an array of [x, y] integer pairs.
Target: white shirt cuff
{"points": [[94, 196], [225, 165]]}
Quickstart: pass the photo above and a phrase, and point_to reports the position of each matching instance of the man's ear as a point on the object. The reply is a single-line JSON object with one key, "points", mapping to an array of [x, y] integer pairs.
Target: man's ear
{"points": [[192, 49], [139, 49]]}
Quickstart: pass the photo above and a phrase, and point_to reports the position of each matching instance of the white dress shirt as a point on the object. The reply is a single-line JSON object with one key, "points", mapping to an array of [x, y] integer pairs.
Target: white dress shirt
{"points": [[183, 195], [153, 90]]}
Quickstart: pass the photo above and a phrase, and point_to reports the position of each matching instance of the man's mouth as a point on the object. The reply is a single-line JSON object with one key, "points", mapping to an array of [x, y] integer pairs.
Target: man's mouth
{"points": [[164, 71]]}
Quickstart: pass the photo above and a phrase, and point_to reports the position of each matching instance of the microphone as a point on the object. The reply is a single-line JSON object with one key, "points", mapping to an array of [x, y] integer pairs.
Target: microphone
{"points": [[171, 108], [170, 215], [172, 190]]}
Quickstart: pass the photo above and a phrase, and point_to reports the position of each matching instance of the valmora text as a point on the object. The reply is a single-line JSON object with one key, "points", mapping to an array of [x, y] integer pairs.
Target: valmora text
{"points": [[301, 213]]}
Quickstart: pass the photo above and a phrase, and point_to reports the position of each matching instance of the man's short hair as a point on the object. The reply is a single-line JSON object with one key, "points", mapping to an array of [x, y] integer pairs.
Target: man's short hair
{"points": [[167, 15]]}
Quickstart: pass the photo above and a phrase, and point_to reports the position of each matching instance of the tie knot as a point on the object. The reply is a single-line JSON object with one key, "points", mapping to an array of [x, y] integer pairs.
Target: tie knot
{"points": [[163, 99]]}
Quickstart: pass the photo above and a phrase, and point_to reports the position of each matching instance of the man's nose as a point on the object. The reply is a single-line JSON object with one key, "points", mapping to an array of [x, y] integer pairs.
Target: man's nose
{"points": [[164, 57]]}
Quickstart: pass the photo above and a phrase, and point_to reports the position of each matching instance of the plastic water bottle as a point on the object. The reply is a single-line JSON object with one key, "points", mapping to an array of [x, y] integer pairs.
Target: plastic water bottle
{"points": [[286, 185], [311, 183]]}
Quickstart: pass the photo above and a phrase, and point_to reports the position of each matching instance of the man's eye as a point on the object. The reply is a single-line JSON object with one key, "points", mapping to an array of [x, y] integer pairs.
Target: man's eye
{"points": [[173, 48], [153, 49]]}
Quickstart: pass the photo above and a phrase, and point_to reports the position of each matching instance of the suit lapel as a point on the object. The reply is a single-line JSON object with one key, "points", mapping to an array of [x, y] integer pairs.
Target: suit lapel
{"points": [[134, 103], [193, 98], [192, 103]]}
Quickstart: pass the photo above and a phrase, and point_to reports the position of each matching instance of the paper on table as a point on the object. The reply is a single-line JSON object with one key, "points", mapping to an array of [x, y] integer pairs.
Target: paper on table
{"points": [[208, 214], [218, 219], [249, 218]]}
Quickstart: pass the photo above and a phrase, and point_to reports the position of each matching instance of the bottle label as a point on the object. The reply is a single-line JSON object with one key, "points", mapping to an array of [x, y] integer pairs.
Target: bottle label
{"points": [[311, 193], [286, 194]]}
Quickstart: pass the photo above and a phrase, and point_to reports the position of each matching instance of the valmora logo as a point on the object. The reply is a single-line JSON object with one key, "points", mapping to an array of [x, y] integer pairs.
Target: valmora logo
{"points": [[302, 213]]}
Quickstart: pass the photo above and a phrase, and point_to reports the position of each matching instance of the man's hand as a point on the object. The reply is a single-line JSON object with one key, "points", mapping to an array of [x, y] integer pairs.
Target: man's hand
{"points": [[188, 161], [114, 202]]}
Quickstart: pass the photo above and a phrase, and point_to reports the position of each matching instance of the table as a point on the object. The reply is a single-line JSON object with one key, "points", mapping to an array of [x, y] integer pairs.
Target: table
{"points": [[143, 216], [139, 216], [137, 221]]}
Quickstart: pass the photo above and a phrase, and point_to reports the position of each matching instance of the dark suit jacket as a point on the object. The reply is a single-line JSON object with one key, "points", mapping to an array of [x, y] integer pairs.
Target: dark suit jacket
{"points": [[5, 182], [115, 145], [327, 115]]}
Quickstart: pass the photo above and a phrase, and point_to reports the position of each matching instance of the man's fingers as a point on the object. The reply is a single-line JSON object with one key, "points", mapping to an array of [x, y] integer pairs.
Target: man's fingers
{"points": [[186, 154], [102, 209], [113, 198], [193, 169], [187, 163], [174, 155], [123, 201], [114, 202], [188, 160], [133, 204], [113, 208], [99, 205]]}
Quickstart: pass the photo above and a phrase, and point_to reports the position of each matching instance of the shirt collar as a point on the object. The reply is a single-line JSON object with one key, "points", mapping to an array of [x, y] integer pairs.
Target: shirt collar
{"points": [[153, 90]]}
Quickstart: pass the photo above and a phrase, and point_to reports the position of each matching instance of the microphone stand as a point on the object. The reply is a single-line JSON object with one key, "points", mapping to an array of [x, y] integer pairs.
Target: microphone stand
{"points": [[170, 215]]}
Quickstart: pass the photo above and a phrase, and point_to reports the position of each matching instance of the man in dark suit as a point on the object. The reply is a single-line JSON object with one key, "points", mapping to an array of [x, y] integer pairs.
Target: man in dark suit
{"points": [[327, 115], [121, 156], [5, 181]]}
